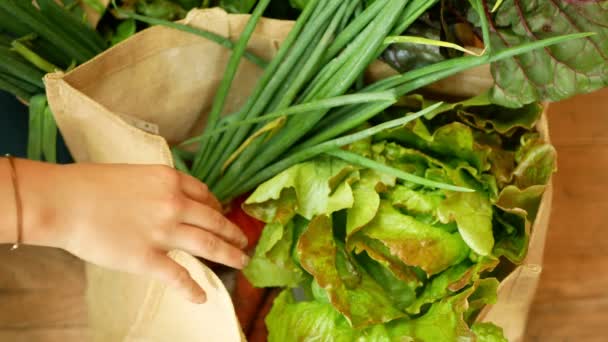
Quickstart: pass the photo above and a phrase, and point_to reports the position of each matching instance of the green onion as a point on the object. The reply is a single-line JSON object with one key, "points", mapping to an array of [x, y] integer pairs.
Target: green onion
{"points": [[21, 84], [72, 27], [357, 56], [30, 16], [285, 96], [286, 59], [49, 136], [354, 28], [36, 127], [33, 58], [337, 101], [14, 89], [361, 161], [178, 161], [229, 74], [13, 64], [314, 151]]}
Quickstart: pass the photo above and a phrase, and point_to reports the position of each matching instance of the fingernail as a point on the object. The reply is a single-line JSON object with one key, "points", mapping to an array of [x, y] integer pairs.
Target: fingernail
{"points": [[245, 260], [201, 298], [244, 242]]}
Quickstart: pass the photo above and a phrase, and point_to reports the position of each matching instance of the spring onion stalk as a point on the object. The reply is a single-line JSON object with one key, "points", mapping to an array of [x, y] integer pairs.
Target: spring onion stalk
{"points": [[268, 92], [30, 16], [350, 10], [179, 162], [14, 89], [361, 161], [49, 136], [312, 9], [286, 95], [14, 65], [36, 117], [327, 146], [71, 26], [33, 57], [301, 109], [413, 11], [359, 54], [427, 75], [21, 84], [354, 28], [229, 74]]}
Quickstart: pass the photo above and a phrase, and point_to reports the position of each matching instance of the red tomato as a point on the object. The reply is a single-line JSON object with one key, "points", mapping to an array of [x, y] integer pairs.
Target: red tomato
{"points": [[249, 225]]}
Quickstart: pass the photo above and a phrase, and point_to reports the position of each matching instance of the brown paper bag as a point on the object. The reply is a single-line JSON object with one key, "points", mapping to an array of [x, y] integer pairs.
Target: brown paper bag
{"points": [[131, 102]]}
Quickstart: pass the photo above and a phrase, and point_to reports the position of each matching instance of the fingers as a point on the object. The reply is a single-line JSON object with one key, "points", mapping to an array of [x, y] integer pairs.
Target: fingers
{"points": [[200, 215], [170, 272], [198, 191], [202, 243]]}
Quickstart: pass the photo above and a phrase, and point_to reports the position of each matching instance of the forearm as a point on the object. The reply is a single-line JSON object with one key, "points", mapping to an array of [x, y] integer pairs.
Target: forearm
{"points": [[29, 176], [8, 205]]}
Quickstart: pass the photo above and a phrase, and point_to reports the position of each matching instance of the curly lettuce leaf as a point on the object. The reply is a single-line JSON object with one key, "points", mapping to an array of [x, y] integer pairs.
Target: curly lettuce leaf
{"points": [[488, 332], [306, 321], [415, 243], [450, 281], [317, 321], [505, 121], [528, 199], [536, 162], [317, 187], [512, 234], [556, 72], [366, 193], [402, 293], [349, 288], [444, 321], [272, 263], [453, 141], [377, 251], [416, 202], [472, 212], [486, 293]]}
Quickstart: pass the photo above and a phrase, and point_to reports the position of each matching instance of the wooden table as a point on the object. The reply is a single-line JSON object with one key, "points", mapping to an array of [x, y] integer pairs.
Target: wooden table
{"points": [[572, 299], [42, 290]]}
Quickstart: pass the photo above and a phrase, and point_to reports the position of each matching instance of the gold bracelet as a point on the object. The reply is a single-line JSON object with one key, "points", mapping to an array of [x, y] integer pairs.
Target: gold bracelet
{"points": [[11, 162]]}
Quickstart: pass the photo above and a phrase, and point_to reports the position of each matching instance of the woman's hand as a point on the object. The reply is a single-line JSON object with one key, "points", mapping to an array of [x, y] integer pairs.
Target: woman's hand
{"points": [[127, 217]]}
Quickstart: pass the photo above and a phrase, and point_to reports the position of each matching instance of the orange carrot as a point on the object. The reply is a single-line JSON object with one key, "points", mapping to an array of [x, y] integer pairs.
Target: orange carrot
{"points": [[258, 332], [247, 301]]}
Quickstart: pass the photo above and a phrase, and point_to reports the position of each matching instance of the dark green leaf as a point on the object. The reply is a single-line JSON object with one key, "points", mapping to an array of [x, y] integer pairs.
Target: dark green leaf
{"points": [[556, 72], [124, 30], [237, 6]]}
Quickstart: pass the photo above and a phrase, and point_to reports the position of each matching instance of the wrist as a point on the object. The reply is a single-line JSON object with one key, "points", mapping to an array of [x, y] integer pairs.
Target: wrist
{"points": [[38, 206]]}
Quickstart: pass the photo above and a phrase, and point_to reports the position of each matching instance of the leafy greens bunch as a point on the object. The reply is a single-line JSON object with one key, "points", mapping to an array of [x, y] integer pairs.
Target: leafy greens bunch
{"points": [[549, 74], [38, 39], [376, 258], [312, 92]]}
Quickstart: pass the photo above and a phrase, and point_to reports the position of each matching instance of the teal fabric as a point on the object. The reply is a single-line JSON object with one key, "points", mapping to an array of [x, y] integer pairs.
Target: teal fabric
{"points": [[13, 129]]}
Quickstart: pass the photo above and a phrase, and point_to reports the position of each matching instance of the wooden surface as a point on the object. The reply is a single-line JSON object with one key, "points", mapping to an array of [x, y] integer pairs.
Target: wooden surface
{"points": [[42, 290], [572, 299], [41, 296]]}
